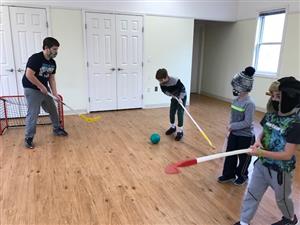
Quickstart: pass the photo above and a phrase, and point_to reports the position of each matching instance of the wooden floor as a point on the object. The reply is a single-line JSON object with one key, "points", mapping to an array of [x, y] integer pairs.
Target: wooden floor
{"points": [[109, 173]]}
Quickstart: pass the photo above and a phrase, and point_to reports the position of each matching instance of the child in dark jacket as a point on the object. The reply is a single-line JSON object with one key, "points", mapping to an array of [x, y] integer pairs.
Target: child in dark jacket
{"points": [[173, 87]]}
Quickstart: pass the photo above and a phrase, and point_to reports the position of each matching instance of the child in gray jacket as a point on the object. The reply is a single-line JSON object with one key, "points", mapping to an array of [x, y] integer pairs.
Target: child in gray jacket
{"points": [[241, 132]]}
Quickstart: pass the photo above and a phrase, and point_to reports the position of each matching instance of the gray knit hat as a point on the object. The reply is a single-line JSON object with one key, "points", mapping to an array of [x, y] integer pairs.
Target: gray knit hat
{"points": [[243, 81]]}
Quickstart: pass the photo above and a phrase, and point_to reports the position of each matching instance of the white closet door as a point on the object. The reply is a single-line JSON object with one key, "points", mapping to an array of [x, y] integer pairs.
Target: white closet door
{"points": [[29, 28], [101, 48], [8, 83], [129, 35]]}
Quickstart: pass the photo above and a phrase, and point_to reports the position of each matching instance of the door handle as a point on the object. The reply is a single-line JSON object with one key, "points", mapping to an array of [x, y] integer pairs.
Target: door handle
{"points": [[113, 69], [10, 70], [119, 69], [20, 70]]}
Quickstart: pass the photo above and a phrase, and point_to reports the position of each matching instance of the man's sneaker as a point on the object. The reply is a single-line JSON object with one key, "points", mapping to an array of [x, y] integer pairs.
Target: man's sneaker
{"points": [[225, 179], [241, 180], [171, 130], [179, 136], [28, 143], [285, 221], [60, 132]]}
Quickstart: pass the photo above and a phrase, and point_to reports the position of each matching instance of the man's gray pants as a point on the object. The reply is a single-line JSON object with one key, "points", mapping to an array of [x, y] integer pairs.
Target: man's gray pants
{"points": [[35, 99], [261, 179]]}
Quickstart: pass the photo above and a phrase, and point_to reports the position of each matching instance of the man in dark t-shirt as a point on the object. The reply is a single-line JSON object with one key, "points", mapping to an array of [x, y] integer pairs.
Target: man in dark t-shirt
{"points": [[40, 70]]}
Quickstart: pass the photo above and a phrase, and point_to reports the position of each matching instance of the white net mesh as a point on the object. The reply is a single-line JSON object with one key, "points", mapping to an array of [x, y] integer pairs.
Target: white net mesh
{"points": [[13, 110]]}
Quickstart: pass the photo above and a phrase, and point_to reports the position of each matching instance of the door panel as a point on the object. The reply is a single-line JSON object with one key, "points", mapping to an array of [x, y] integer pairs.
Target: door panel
{"points": [[114, 44], [8, 84], [101, 61], [29, 28], [129, 61]]}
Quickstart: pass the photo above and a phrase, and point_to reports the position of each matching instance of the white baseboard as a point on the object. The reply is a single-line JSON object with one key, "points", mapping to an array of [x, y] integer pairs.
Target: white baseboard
{"points": [[76, 112], [216, 96], [152, 106], [228, 100], [261, 109], [163, 105]]}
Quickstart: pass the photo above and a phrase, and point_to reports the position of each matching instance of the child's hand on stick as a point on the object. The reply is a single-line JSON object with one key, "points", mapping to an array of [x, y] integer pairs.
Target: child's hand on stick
{"points": [[256, 149]]}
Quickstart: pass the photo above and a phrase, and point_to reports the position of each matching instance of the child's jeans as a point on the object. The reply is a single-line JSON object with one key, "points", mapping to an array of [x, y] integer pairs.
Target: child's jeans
{"points": [[176, 107]]}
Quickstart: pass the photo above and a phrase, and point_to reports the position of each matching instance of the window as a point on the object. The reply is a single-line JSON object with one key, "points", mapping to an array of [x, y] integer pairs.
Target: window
{"points": [[268, 42]]}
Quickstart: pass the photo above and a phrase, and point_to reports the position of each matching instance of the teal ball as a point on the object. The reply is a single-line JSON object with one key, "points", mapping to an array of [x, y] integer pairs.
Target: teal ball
{"points": [[155, 138]]}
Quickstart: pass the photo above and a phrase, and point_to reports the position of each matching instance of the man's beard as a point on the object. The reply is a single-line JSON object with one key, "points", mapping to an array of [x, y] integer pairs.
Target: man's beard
{"points": [[52, 55]]}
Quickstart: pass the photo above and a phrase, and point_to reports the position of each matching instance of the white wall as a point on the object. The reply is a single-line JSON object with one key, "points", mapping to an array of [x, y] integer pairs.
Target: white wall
{"points": [[224, 10], [229, 49], [216, 10], [168, 43], [71, 77]]}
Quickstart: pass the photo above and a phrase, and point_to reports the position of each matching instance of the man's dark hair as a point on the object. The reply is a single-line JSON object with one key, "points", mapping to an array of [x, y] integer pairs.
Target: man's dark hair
{"points": [[50, 42], [161, 74]]}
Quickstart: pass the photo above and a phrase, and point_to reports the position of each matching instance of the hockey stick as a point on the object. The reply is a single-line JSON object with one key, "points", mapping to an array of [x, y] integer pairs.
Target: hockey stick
{"points": [[173, 168], [199, 128], [85, 118]]}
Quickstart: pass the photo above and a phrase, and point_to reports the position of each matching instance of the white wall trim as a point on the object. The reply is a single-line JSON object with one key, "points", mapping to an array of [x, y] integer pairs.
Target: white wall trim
{"points": [[263, 6], [83, 14], [153, 106], [163, 105], [116, 12], [134, 12], [283, 41], [49, 21], [201, 58], [75, 112], [224, 99], [227, 100], [253, 18], [25, 5], [143, 61]]}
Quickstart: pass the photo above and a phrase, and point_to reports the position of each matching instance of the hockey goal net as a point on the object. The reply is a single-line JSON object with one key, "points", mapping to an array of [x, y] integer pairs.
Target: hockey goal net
{"points": [[13, 110]]}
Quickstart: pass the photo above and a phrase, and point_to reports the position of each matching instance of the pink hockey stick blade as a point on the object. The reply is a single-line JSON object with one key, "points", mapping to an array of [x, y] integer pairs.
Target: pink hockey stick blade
{"points": [[173, 168]]}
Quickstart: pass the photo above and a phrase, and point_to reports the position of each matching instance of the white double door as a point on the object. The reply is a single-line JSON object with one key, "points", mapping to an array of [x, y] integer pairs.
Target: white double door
{"points": [[22, 31], [114, 53]]}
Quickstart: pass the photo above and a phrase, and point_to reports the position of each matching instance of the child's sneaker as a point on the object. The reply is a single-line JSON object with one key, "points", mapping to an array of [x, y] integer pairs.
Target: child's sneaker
{"points": [[179, 136], [28, 143], [241, 180], [171, 130], [285, 221], [60, 132], [239, 223], [225, 179]]}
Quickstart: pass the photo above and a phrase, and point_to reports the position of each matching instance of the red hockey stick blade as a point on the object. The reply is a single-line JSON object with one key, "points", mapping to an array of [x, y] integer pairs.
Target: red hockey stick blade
{"points": [[173, 168]]}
